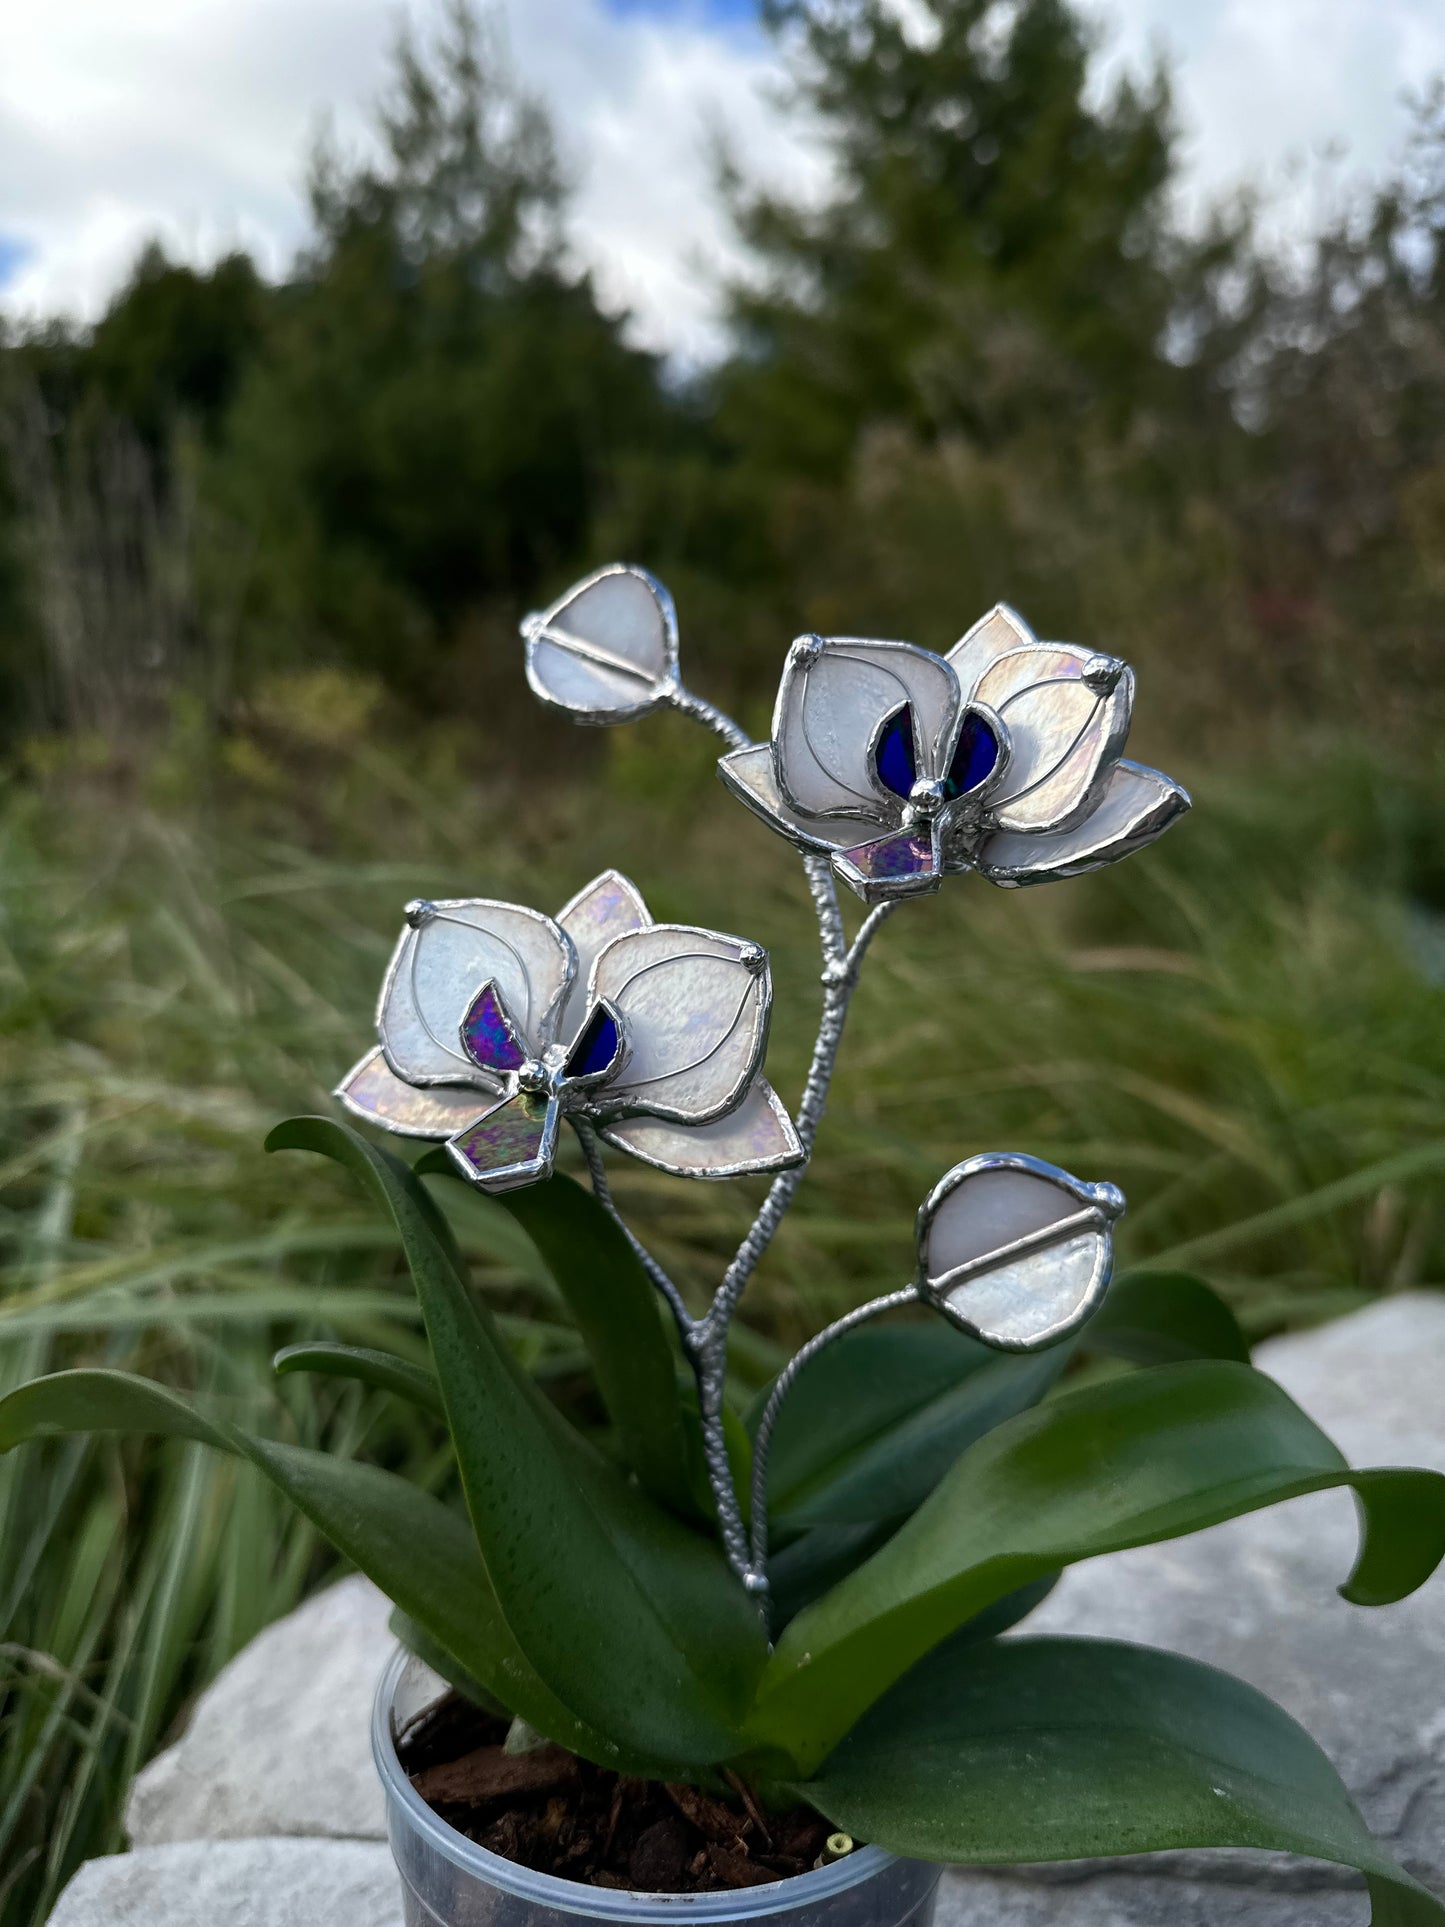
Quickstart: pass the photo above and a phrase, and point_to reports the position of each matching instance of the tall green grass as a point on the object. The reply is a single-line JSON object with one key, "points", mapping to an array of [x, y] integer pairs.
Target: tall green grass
{"points": [[1242, 1027]]}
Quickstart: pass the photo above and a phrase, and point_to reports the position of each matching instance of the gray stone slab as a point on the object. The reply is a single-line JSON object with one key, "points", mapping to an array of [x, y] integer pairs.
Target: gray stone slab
{"points": [[1142, 1893], [279, 1742], [237, 1883]]}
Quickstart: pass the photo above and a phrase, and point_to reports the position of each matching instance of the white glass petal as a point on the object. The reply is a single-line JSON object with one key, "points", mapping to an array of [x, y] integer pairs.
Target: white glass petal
{"points": [[1138, 804], [988, 1209], [606, 650], [990, 637], [1065, 735], [371, 1091], [592, 692], [757, 1136], [694, 1006], [603, 909], [834, 696], [1016, 1251], [748, 773], [440, 964], [1037, 1300]]}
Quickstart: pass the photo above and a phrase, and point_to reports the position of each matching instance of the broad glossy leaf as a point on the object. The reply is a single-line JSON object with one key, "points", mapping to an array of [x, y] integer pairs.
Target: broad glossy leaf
{"points": [[384, 1370], [806, 1569], [1162, 1317], [616, 1308], [631, 1618], [419, 1552], [1147, 1456], [857, 1389], [895, 1472], [417, 1640], [1066, 1749]]}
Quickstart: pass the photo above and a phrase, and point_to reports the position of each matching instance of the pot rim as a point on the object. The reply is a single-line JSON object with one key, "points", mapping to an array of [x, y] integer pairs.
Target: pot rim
{"points": [[575, 1896]]}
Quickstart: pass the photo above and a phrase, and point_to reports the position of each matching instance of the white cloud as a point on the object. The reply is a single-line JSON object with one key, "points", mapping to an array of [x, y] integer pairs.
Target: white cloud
{"points": [[1302, 98], [638, 104], [190, 119]]}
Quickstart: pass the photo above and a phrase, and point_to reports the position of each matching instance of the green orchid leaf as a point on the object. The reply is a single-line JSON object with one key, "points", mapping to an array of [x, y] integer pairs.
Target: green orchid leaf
{"points": [[631, 1618], [893, 1474], [1164, 1317], [1142, 1457], [417, 1640], [615, 1305], [417, 1550], [860, 1387], [384, 1370], [806, 1569], [808, 1565], [1068, 1749], [874, 1422]]}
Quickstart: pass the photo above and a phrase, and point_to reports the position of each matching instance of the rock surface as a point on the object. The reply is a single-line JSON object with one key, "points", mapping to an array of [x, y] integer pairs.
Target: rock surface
{"points": [[236, 1883], [1256, 1596], [280, 1741]]}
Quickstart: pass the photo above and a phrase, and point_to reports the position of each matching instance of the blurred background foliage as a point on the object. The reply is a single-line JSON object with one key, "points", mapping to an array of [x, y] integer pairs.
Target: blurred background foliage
{"points": [[263, 549]]}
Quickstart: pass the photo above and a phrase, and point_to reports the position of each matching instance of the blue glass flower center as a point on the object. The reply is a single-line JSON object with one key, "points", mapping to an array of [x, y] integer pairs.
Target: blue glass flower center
{"points": [[895, 757], [975, 758], [597, 1045]]}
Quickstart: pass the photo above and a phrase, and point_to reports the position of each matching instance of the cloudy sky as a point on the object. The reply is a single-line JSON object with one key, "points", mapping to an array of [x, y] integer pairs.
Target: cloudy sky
{"points": [[190, 119]]}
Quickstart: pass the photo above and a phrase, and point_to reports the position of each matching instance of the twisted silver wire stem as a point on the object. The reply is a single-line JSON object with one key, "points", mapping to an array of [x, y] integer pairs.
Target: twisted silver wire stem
{"points": [[782, 1385], [705, 1339], [840, 975], [708, 714], [602, 1191], [710, 1337]]}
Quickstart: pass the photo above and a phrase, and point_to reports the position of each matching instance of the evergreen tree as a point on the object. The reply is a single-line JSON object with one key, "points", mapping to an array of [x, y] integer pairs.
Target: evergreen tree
{"points": [[442, 405], [996, 248]]}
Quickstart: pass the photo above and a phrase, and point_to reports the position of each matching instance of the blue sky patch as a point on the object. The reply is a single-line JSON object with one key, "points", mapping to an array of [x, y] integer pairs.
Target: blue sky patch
{"points": [[14, 253], [730, 13]]}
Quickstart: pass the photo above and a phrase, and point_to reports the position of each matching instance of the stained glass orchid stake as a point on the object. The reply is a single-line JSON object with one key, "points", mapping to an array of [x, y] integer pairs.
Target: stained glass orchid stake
{"points": [[496, 1022], [902, 767], [889, 767], [924, 1485]]}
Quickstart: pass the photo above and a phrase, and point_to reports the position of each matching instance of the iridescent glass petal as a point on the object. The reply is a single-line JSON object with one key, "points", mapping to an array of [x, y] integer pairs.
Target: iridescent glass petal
{"points": [[451, 949], [834, 699], [606, 650], [695, 1007], [1138, 805], [1065, 734], [758, 1136], [371, 1091], [603, 909]]}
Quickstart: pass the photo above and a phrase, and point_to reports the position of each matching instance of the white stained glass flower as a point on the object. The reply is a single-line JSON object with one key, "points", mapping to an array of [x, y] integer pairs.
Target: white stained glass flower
{"points": [[1015, 1252], [496, 1022], [606, 651], [1001, 757]]}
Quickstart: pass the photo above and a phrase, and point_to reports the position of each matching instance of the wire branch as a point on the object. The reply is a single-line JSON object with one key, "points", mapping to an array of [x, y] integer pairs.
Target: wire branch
{"points": [[708, 714], [782, 1385], [602, 1191]]}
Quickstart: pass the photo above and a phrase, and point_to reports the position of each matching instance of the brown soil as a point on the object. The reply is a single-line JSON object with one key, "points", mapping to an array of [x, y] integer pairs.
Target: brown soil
{"points": [[560, 1815]]}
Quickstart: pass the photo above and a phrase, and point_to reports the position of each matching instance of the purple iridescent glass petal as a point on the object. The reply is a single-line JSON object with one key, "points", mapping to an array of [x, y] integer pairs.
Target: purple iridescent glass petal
{"points": [[513, 1145], [489, 1036]]}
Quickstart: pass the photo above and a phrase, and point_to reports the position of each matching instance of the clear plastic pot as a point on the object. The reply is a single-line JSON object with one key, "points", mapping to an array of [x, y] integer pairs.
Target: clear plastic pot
{"points": [[449, 1881]]}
